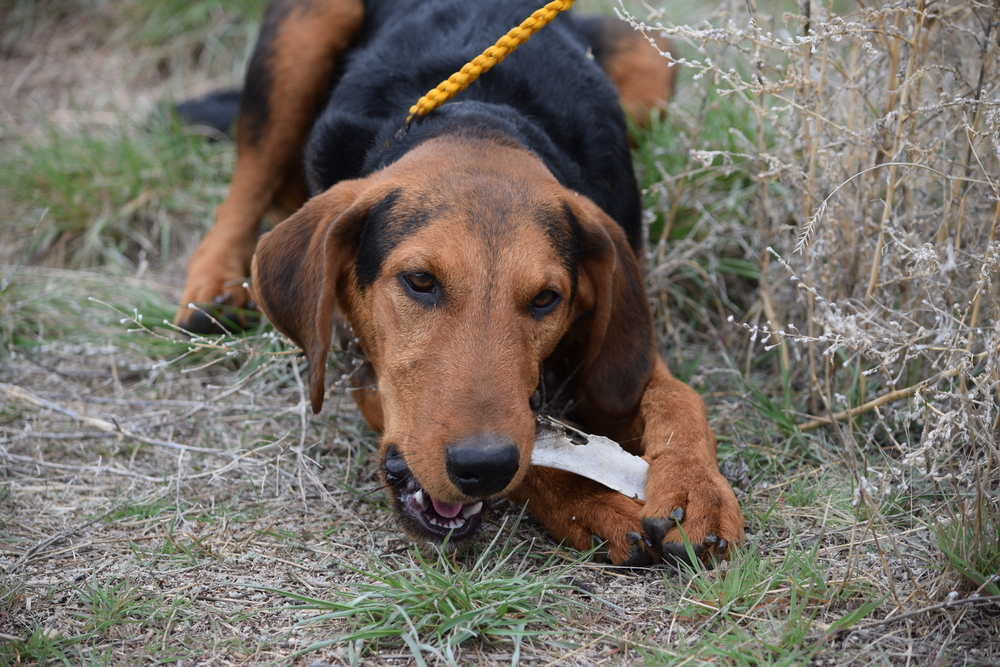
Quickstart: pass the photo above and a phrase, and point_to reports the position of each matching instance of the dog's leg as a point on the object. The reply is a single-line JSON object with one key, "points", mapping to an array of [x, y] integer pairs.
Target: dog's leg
{"points": [[643, 77], [584, 514], [685, 487], [363, 379], [288, 79]]}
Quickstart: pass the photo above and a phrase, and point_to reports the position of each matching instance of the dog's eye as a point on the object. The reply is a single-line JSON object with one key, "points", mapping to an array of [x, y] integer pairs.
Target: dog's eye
{"points": [[420, 281], [545, 302], [422, 287]]}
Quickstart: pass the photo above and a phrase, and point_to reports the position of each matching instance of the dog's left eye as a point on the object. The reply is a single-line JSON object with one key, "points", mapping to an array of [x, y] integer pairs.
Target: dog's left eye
{"points": [[420, 281], [545, 302], [422, 287]]}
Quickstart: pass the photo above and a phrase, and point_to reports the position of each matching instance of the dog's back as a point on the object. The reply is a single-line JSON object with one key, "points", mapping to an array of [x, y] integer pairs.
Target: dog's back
{"points": [[550, 92]]}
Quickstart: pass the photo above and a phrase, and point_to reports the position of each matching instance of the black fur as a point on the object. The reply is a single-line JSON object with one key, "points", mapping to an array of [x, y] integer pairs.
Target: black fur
{"points": [[548, 97], [216, 110], [387, 224]]}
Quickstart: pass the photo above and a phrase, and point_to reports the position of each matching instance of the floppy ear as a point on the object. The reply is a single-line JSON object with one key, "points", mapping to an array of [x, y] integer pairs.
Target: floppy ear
{"points": [[620, 349], [297, 267]]}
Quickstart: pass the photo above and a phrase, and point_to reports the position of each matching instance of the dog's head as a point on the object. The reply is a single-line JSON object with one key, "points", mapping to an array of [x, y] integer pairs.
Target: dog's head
{"points": [[460, 267]]}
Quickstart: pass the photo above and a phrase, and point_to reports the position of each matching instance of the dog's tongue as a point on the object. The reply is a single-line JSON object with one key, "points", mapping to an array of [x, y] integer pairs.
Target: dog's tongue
{"points": [[447, 510]]}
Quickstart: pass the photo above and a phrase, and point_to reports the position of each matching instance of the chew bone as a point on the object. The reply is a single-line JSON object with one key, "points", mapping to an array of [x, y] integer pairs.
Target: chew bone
{"points": [[593, 456]]}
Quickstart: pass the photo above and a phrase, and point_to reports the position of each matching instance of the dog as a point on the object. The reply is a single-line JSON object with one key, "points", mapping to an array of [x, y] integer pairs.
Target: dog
{"points": [[486, 259]]}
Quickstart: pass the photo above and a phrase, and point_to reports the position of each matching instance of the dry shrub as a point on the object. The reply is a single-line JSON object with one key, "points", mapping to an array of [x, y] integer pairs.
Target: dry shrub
{"points": [[873, 144]]}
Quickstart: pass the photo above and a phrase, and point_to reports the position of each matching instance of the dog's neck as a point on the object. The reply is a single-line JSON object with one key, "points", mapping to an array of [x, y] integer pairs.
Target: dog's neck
{"points": [[480, 121]]}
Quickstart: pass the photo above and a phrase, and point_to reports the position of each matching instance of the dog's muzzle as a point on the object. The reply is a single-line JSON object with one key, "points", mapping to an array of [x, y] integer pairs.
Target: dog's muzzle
{"points": [[424, 516]]}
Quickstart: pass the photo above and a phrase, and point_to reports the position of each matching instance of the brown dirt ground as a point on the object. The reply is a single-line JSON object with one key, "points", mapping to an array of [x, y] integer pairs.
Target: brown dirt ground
{"points": [[271, 504]]}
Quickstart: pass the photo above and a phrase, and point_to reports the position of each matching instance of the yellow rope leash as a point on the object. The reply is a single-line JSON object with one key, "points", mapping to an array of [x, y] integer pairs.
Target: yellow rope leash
{"points": [[461, 79]]}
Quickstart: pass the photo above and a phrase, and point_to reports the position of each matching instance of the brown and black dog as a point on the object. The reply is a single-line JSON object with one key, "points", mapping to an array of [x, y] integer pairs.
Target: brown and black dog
{"points": [[486, 257]]}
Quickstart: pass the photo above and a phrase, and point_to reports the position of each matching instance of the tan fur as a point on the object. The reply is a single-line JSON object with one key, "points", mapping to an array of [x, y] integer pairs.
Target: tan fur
{"points": [[470, 367], [429, 377], [643, 77], [308, 44]]}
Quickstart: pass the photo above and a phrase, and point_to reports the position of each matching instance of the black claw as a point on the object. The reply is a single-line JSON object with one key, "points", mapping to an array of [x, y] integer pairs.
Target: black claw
{"points": [[639, 557], [677, 515], [601, 555], [657, 527], [722, 545], [711, 539]]}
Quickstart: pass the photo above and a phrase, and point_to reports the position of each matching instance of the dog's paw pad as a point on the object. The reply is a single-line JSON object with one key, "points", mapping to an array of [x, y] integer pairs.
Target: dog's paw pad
{"points": [[658, 527], [676, 553]]}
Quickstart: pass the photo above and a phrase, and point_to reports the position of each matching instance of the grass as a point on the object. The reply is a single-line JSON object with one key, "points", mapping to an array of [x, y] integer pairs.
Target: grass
{"points": [[164, 23], [432, 605], [822, 265], [119, 197], [970, 539]]}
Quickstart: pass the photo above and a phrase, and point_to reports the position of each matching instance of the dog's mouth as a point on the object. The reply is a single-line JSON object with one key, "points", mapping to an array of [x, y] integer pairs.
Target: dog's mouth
{"points": [[424, 516]]}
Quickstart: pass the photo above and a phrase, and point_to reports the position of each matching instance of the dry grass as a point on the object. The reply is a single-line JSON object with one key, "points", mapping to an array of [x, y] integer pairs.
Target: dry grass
{"points": [[823, 205], [872, 142]]}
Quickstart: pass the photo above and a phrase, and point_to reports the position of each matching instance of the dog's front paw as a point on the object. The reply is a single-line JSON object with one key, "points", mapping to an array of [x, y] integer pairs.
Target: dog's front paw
{"points": [[635, 550], [587, 515], [220, 299], [690, 502], [609, 522], [226, 306]]}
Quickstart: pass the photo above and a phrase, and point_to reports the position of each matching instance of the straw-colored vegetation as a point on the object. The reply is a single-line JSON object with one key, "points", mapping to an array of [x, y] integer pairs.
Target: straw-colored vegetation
{"points": [[823, 207]]}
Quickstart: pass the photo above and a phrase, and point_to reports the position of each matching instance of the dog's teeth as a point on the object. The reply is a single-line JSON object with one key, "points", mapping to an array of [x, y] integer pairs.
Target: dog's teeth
{"points": [[447, 524], [421, 498], [469, 510]]}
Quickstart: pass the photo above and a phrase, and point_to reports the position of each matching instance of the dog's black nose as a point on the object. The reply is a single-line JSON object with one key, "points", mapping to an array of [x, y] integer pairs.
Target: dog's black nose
{"points": [[482, 465]]}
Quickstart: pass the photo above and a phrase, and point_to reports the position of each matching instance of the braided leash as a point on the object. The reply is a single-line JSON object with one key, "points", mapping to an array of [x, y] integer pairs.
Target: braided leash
{"points": [[461, 79]]}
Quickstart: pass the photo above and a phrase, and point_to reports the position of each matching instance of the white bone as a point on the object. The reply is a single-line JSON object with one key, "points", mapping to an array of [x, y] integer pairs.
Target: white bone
{"points": [[598, 458]]}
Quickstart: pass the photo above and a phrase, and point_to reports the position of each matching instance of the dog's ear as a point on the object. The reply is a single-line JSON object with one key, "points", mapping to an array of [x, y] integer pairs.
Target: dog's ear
{"points": [[612, 306], [297, 267]]}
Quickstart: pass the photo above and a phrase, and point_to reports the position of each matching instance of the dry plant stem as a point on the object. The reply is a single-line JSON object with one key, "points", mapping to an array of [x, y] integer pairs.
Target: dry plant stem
{"points": [[976, 118], [881, 400], [668, 221], [901, 119], [813, 157], [809, 139], [94, 470], [772, 316], [767, 214], [58, 537], [970, 601], [976, 300], [28, 397]]}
